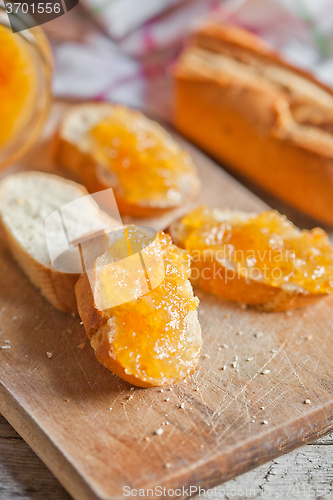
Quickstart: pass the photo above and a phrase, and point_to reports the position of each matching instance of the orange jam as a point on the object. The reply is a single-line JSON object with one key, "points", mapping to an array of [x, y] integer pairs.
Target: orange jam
{"points": [[153, 335], [147, 163], [17, 83], [266, 247]]}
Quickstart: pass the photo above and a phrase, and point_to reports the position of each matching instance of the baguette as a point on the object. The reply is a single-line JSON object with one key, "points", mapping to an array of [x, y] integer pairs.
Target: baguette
{"points": [[271, 122], [221, 276], [78, 151], [26, 200], [154, 338]]}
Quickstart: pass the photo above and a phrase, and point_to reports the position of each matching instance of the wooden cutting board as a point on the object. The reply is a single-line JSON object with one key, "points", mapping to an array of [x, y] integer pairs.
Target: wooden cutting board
{"points": [[97, 433]]}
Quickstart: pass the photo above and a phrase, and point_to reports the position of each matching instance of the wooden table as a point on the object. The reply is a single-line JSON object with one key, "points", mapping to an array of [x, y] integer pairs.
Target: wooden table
{"points": [[294, 476]]}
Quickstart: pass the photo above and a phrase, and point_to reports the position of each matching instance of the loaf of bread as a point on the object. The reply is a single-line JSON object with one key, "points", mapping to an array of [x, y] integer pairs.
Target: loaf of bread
{"points": [[271, 122]]}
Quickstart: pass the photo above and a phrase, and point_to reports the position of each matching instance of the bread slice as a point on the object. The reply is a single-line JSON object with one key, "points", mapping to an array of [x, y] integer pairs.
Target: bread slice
{"points": [[75, 150], [154, 337], [242, 102], [220, 276], [26, 201]]}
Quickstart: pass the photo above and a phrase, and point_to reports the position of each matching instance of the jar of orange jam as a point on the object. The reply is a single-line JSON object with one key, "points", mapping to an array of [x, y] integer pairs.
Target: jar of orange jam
{"points": [[25, 88]]}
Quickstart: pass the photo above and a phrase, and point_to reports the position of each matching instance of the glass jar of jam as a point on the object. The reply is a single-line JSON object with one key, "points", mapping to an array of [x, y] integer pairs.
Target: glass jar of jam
{"points": [[25, 88]]}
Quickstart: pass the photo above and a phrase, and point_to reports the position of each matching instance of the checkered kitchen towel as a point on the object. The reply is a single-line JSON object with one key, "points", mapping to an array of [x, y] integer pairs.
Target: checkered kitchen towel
{"points": [[129, 59]]}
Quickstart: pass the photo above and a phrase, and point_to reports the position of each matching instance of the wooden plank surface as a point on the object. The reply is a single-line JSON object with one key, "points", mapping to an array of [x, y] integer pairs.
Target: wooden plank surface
{"points": [[303, 474], [95, 451]]}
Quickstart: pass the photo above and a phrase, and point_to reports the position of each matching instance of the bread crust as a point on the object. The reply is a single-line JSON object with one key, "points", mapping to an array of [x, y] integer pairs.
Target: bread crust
{"points": [[56, 287], [219, 37], [220, 112], [92, 318], [94, 176]]}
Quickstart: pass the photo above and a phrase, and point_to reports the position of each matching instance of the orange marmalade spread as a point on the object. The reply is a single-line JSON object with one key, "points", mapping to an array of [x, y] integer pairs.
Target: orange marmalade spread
{"points": [[17, 83], [148, 164], [267, 243]]}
